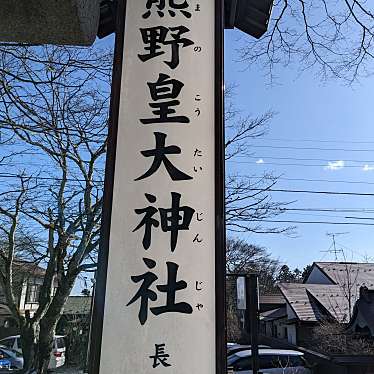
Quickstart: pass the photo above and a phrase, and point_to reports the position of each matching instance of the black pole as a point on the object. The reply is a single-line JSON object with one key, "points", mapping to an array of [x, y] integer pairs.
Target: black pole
{"points": [[220, 237], [252, 317], [96, 328]]}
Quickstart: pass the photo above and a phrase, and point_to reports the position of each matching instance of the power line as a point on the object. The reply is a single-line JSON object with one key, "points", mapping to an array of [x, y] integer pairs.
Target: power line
{"points": [[45, 178], [310, 191], [312, 214], [320, 141], [302, 159], [332, 210], [327, 215], [314, 222], [290, 164], [304, 179], [325, 180], [310, 148]]}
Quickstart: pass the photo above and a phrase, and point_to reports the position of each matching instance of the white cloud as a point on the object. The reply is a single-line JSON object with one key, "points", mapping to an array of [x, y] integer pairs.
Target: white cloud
{"points": [[368, 167], [260, 161], [335, 165]]}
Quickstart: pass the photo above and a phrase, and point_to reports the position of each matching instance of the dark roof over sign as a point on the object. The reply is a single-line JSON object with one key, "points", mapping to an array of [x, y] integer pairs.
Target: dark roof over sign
{"points": [[360, 274]]}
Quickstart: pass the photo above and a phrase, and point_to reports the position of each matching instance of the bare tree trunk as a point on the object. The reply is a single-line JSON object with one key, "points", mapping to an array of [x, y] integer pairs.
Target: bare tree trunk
{"points": [[49, 322], [45, 346], [29, 332]]}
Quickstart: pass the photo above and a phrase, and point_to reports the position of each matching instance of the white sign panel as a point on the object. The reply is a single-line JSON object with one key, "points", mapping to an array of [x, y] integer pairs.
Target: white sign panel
{"points": [[160, 310], [241, 293]]}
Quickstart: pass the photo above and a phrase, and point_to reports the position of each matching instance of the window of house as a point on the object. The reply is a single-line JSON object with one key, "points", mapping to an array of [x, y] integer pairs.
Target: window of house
{"points": [[32, 294]]}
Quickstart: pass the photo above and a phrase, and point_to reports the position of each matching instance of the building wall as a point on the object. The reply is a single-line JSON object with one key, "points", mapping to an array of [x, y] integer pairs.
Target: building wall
{"points": [[275, 329], [290, 313], [24, 304], [292, 334], [305, 334], [316, 276]]}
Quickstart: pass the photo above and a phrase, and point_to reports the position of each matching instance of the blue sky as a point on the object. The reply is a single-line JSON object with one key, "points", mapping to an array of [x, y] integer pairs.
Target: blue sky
{"points": [[309, 109], [331, 115]]}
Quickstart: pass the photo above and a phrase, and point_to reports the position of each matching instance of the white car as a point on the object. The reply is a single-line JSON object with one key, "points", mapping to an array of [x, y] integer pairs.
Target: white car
{"points": [[58, 352], [271, 361], [239, 347]]}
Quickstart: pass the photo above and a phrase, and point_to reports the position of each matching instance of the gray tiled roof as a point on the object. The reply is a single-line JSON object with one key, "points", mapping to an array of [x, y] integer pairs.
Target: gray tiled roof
{"points": [[274, 314], [333, 299], [361, 274], [306, 301], [300, 301], [272, 299], [78, 305], [310, 302], [28, 268]]}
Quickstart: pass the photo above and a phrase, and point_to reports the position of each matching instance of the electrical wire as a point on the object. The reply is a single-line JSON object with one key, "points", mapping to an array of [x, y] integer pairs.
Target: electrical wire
{"points": [[303, 159], [309, 148], [2, 175], [303, 179], [320, 141], [307, 191], [332, 210], [314, 222], [289, 164]]}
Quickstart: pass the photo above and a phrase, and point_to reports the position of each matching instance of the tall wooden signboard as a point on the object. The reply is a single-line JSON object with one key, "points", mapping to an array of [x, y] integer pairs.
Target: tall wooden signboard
{"points": [[159, 303]]}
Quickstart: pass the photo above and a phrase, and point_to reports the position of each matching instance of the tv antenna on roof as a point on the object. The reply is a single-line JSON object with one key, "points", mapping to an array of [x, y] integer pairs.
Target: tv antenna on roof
{"points": [[334, 250]]}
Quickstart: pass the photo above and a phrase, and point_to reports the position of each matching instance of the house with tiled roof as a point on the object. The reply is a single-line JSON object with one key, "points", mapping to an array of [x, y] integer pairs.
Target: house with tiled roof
{"points": [[28, 280], [329, 292]]}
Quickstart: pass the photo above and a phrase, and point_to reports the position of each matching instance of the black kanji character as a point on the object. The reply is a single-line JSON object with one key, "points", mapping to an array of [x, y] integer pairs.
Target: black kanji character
{"points": [[155, 37], [161, 4], [144, 293], [172, 220], [165, 88], [159, 154], [160, 357], [170, 289], [197, 9], [147, 220]]}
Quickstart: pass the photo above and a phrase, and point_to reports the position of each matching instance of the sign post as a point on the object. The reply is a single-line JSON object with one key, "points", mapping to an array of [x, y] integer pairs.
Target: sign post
{"points": [[253, 318], [159, 300]]}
